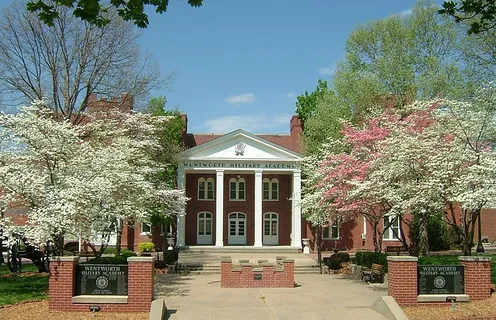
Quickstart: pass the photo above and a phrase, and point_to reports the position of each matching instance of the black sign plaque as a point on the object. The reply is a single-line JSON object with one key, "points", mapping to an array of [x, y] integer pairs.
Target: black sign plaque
{"points": [[257, 276], [101, 279], [440, 280]]}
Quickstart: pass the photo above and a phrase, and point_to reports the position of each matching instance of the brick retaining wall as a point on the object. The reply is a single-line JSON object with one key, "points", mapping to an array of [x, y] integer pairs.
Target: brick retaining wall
{"points": [[62, 287], [280, 275]]}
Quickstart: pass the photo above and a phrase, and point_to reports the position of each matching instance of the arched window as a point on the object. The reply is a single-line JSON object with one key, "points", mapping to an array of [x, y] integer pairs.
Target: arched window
{"points": [[237, 189], [204, 224], [270, 189], [206, 189], [331, 231], [271, 220]]}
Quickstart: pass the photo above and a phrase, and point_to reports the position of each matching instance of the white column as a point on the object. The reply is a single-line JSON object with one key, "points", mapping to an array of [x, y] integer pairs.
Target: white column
{"points": [[181, 218], [258, 209], [219, 209], [296, 210]]}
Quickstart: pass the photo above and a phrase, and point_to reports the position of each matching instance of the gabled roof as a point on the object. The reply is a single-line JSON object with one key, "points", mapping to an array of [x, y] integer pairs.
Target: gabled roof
{"points": [[255, 147]]}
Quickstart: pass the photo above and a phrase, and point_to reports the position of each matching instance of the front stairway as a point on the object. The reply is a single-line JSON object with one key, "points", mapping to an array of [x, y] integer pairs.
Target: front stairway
{"points": [[206, 260]]}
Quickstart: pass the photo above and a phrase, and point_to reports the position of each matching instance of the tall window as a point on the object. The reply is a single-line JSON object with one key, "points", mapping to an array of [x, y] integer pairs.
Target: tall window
{"points": [[206, 189], [237, 189], [331, 232], [391, 228], [204, 224], [270, 189]]}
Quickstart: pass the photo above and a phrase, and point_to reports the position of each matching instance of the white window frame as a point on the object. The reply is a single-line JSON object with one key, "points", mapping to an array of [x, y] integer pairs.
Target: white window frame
{"points": [[390, 234], [207, 182], [236, 189], [205, 213], [273, 186], [336, 225], [145, 233]]}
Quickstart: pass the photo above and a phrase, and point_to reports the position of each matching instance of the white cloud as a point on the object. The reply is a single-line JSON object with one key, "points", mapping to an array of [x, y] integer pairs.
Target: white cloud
{"points": [[290, 95], [255, 124], [326, 71], [241, 98], [405, 13]]}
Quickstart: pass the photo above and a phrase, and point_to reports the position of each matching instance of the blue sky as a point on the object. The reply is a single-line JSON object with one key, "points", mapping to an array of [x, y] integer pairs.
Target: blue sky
{"points": [[241, 64]]}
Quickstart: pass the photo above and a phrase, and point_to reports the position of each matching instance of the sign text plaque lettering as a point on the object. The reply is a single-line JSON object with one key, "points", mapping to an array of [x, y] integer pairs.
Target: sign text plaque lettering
{"points": [[440, 280], [101, 279]]}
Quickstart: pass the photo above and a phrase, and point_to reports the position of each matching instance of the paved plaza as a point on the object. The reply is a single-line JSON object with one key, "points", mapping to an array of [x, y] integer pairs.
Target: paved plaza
{"points": [[316, 296]]}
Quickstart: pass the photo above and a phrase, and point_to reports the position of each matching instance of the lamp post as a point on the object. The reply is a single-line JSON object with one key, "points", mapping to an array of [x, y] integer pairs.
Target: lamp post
{"points": [[480, 247]]}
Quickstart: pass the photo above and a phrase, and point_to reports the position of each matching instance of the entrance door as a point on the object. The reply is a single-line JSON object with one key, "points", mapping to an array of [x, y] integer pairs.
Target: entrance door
{"points": [[204, 235], [237, 228], [271, 226]]}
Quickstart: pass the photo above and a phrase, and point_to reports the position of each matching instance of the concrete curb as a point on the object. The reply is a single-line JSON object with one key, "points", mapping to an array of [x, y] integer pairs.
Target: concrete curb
{"points": [[389, 308], [158, 310]]}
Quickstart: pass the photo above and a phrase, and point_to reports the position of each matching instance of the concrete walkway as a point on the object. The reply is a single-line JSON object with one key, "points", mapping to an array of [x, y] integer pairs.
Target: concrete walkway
{"points": [[316, 297]]}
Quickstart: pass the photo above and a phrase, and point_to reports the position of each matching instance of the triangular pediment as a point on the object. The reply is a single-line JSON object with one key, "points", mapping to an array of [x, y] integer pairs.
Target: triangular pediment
{"points": [[239, 145]]}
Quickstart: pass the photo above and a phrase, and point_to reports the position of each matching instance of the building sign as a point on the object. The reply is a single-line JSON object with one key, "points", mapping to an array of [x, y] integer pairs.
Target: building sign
{"points": [[257, 276], [440, 280], [101, 279], [240, 165]]}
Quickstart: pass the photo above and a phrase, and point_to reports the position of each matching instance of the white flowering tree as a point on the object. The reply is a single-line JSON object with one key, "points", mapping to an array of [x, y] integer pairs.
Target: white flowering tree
{"points": [[438, 157], [83, 180]]}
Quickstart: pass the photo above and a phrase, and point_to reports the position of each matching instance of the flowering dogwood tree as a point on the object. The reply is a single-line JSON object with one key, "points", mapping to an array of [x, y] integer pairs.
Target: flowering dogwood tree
{"points": [[437, 158], [84, 180]]}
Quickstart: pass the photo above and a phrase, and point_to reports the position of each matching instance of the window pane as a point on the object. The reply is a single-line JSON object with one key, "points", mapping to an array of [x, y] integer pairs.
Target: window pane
{"points": [[335, 231], [232, 194], [266, 191], [201, 190], [386, 228], [210, 190], [275, 190], [241, 186], [241, 228], [395, 228], [241, 195], [232, 228], [325, 232], [267, 227], [274, 228], [146, 228], [208, 227], [201, 227]]}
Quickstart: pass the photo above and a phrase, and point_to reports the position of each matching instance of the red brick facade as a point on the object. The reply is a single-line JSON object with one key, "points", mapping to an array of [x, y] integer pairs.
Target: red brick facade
{"points": [[62, 286], [243, 275]]}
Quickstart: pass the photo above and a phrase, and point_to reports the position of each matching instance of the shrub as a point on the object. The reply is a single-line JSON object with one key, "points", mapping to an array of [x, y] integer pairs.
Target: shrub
{"points": [[366, 258], [71, 246], [146, 246], [110, 250], [333, 262], [160, 264], [171, 256], [345, 257], [108, 260], [128, 253]]}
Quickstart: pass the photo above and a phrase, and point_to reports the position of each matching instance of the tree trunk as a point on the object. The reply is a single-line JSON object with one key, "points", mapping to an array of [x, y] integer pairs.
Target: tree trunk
{"points": [[165, 245], [118, 241], [423, 247]]}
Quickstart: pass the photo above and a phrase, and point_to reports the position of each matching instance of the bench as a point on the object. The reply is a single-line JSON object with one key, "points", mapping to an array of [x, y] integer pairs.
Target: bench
{"points": [[373, 274], [397, 249]]}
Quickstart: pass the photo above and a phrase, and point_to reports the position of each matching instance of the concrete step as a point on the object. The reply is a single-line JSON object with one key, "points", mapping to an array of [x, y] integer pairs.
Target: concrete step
{"points": [[215, 269]]}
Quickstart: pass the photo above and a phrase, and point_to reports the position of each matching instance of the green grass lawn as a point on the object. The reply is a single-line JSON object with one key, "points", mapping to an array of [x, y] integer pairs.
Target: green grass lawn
{"points": [[22, 287], [453, 260]]}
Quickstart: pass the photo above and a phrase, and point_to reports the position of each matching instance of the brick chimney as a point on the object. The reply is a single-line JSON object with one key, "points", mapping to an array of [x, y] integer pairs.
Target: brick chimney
{"points": [[124, 103], [296, 130]]}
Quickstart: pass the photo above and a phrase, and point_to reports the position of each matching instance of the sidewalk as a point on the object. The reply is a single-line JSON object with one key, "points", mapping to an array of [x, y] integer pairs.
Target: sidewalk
{"points": [[316, 297]]}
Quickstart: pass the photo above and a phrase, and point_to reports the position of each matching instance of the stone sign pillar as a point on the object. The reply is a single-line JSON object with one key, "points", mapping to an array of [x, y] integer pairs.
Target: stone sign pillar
{"points": [[477, 276], [402, 279]]}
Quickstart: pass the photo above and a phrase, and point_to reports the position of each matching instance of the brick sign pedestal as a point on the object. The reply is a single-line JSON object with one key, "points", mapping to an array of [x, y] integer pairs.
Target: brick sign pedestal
{"points": [[62, 288], [403, 281]]}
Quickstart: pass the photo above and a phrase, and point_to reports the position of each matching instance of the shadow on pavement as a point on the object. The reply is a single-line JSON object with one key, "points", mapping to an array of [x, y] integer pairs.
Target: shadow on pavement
{"points": [[167, 285]]}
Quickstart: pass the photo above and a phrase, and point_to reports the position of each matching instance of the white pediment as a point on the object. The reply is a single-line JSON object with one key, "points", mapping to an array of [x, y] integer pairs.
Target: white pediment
{"points": [[239, 145]]}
